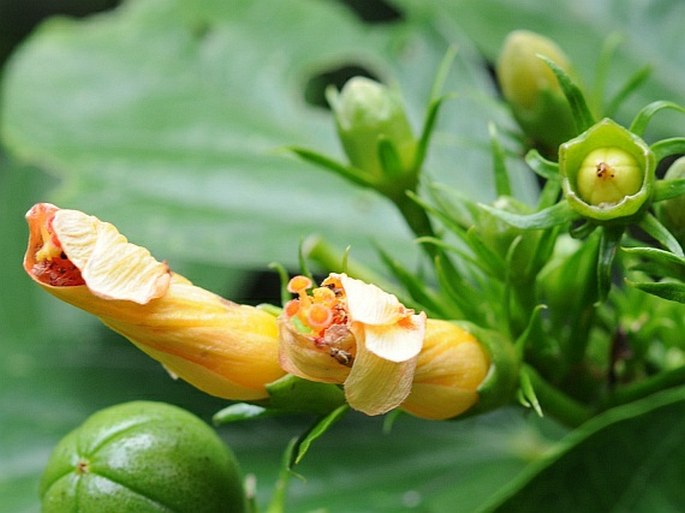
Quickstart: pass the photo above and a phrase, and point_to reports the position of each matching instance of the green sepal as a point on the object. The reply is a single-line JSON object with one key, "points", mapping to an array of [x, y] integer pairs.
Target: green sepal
{"points": [[459, 292], [557, 214], [526, 393], [427, 130], [581, 113], [609, 243], [543, 167], [389, 159], [502, 185], [415, 286], [671, 290], [658, 262], [350, 173], [297, 395], [653, 227], [283, 277], [668, 189], [287, 396], [668, 147], [642, 119], [316, 431], [433, 109]]}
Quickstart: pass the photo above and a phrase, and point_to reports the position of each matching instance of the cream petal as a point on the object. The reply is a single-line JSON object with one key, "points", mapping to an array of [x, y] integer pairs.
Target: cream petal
{"points": [[375, 385], [369, 304], [396, 342], [112, 267]]}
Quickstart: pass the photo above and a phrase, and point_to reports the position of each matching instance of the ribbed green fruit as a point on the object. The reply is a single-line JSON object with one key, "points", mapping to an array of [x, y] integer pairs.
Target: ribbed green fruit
{"points": [[142, 457]]}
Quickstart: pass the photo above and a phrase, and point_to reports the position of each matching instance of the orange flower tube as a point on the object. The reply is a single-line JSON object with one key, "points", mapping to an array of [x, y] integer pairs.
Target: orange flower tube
{"points": [[223, 348]]}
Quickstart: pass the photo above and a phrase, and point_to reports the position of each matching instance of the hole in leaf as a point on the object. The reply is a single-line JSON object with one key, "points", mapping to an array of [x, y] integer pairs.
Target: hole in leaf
{"points": [[315, 88], [374, 11]]}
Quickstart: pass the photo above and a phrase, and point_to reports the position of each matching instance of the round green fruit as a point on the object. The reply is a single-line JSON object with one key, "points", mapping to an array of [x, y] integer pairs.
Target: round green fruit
{"points": [[142, 457]]}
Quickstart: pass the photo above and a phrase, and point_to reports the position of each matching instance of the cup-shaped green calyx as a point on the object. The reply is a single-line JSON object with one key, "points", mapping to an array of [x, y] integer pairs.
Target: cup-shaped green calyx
{"points": [[671, 212], [368, 113], [607, 172], [532, 90]]}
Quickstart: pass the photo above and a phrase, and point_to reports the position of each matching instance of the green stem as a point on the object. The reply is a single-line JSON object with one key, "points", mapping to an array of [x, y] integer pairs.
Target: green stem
{"points": [[277, 504], [646, 387], [556, 403], [418, 221]]}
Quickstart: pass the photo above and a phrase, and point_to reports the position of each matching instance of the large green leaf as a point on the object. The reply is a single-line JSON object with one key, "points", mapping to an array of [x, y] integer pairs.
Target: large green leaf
{"points": [[631, 458], [166, 117]]}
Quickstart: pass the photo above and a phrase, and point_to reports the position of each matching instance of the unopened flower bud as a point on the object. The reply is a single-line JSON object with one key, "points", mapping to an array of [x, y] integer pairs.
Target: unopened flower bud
{"points": [[366, 112], [451, 367], [531, 88], [220, 347], [607, 172]]}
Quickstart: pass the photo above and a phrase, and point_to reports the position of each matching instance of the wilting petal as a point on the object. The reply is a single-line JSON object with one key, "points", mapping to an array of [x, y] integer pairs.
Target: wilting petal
{"points": [[222, 348], [111, 267], [375, 385], [301, 356], [369, 304], [397, 342], [450, 368]]}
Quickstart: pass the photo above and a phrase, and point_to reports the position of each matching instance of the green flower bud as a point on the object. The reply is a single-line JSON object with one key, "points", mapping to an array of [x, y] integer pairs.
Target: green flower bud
{"points": [[532, 90], [142, 457], [366, 112], [607, 172], [671, 212]]}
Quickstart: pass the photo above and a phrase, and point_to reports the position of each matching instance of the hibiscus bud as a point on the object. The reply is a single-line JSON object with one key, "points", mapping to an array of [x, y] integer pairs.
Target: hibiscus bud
{"points": [[671, 212], [607, 172], [365, 113], [451, 367], [532, 90], [220, 347], [352, 333]]}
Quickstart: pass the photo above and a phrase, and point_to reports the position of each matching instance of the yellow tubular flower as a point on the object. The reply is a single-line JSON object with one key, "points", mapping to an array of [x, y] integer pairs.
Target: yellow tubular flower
{"points": [[225, 349], [351, 332], [451, 367]]}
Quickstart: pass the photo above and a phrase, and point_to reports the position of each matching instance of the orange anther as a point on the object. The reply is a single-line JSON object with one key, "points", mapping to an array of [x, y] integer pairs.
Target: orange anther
{"points": [[299, 284], [292, 307], [324, 295], [319, 316]]}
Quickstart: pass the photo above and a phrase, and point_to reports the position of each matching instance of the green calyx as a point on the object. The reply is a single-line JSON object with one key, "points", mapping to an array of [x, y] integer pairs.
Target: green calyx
{"points": [[607, 172]]}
